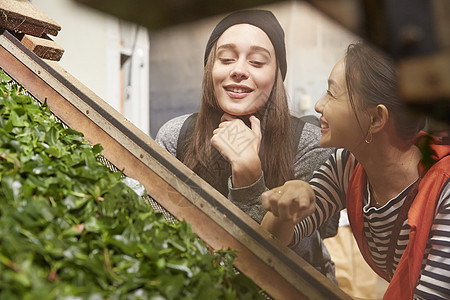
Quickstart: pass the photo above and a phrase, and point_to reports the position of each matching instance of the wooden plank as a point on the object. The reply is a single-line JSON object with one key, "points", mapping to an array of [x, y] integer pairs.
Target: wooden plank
{"points": [[276, 269], [23, 16], [44, 47]]}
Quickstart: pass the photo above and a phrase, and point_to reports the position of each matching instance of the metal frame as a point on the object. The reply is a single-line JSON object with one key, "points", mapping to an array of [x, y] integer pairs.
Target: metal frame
{"points": [[276, 269]]}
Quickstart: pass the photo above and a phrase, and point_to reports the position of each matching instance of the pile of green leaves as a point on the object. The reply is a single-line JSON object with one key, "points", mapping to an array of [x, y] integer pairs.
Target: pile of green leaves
{"points": [[71, 229]]}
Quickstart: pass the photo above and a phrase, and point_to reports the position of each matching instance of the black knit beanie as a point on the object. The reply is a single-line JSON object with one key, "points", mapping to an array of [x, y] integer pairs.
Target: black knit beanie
{"points": [[263, 19]]}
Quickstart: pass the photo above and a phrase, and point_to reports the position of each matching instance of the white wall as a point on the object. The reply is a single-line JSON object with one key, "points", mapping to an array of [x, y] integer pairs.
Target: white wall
{"points": [[93, 43], [90, 43]]}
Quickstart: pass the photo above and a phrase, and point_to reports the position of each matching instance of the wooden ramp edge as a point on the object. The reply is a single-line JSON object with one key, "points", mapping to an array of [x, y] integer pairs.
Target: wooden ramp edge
{"points": [[276, 269]]}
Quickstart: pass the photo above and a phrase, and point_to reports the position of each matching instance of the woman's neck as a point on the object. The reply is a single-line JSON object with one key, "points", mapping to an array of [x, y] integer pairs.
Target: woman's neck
{"points": [[390, 170]]}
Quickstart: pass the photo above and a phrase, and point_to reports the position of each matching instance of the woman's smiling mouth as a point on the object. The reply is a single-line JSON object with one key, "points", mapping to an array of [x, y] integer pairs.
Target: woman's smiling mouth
{"points": [[237, 91], [323, 125]]}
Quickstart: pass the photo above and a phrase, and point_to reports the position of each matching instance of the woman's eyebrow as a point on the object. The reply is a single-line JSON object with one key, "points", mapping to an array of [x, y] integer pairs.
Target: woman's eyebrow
{"points": [[253, 48], [338, 90], [259, 48], [331, 83], [227, 46]]}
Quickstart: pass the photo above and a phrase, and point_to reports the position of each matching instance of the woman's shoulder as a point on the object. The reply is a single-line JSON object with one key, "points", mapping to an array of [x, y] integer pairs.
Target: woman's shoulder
{"points": [[309, 134], [175, 122], [309, 154], [307, 128], [169, 132]]}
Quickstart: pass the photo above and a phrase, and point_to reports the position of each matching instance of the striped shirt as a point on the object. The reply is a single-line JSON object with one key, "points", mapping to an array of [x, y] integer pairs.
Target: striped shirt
{"points": [[330, 184]]}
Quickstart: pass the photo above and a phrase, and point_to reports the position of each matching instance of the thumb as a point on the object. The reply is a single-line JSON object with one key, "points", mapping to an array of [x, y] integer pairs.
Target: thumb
{"points": [[296, 218], [256, 125]]}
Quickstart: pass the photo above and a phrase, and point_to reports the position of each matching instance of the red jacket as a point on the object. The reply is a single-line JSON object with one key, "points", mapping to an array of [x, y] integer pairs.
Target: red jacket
{"points": [[420, 218]]}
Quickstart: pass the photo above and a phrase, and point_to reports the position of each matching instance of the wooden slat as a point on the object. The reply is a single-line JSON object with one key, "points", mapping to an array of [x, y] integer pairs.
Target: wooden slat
{"points": [[23, 16], [43, 47], [276, 269]]}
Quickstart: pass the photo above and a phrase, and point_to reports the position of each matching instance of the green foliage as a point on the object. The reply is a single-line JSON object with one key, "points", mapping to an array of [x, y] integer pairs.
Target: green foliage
{"points": [[71, 229]]}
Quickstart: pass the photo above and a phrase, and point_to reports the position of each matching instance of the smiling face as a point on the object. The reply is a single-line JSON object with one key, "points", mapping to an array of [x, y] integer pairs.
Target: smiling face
{"points": [[244, 69], [339, 125]]}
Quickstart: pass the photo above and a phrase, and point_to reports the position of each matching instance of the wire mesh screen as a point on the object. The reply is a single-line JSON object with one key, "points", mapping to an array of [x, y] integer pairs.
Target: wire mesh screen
{"points": [[155, 205]]}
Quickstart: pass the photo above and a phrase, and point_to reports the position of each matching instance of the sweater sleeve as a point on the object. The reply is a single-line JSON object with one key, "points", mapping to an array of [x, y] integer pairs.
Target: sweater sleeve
{"points": [[167, 135], [248, 198]]}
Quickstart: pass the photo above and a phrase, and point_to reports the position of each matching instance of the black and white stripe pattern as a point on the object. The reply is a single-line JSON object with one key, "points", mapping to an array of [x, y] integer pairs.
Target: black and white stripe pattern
{"points": [[434, 282], [378, 226], [330, 185]]}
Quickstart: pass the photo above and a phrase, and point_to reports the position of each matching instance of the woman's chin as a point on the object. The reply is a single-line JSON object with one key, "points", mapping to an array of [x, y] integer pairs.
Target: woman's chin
{"points": [[240, 109], [238, 113], [325, 143]]}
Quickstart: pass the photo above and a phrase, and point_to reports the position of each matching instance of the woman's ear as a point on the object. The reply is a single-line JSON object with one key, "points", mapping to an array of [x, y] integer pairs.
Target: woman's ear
{"points": [[379, 118]]}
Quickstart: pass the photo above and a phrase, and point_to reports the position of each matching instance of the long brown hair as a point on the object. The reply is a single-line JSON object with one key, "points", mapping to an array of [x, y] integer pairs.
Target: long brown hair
{"points": [[371, 80], [276, 151]]}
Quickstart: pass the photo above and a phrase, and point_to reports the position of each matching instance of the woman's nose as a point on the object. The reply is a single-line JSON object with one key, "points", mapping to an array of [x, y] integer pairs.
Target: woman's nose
{"points": [[239, 71], [318, 107]]}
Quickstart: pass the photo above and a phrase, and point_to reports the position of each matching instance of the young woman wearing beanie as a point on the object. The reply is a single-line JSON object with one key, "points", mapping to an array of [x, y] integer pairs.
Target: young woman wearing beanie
{"points": [[244, 141]]}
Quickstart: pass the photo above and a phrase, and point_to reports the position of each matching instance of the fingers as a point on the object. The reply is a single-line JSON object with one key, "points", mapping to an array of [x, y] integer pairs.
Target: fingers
{"points": [[270, 199], [256, 125], [293, 201], [226, 119], [296, 218], [239, 144], [237, 127], [279, 203]]}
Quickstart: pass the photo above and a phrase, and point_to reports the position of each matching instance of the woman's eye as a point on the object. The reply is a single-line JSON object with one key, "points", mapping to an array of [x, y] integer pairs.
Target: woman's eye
{"points": [[257, 63], [330, 94], [226, 60]]}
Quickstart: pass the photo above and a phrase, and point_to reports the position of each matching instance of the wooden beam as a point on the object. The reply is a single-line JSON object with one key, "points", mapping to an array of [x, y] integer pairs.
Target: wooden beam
{"points": [[44, 47], [22, 16], [276, 269]]}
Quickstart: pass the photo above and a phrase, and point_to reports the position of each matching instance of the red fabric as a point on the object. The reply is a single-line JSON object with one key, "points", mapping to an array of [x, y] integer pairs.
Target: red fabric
{"points": [[420, 218]]}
